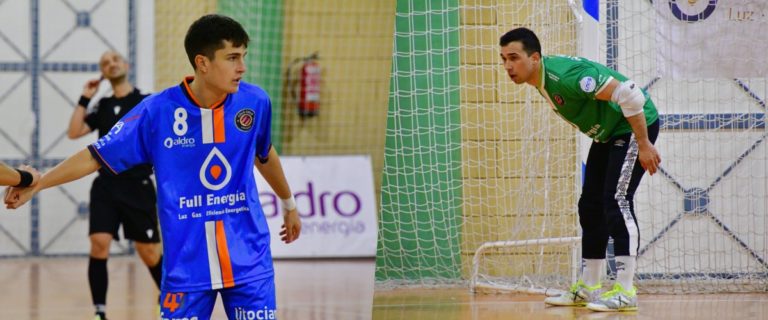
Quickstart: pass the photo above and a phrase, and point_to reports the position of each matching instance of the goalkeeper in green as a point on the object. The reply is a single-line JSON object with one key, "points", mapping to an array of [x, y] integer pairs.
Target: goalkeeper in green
{"points": [[623, 123]]}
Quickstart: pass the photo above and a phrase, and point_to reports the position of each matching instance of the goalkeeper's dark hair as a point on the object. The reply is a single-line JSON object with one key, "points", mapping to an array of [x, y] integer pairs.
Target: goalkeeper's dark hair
{"points": [[207, 34], [525, 36]]}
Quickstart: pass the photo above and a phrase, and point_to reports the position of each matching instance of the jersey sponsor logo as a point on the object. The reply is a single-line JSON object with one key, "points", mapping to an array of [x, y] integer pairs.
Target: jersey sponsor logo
{"points": [[260, 314], [559, 99], [162, 317], [553, 77], [183, 142], [587, 84], [196, 200], [244, 120], [117, 127], [593, 131], [693, 10], [215, 172]]}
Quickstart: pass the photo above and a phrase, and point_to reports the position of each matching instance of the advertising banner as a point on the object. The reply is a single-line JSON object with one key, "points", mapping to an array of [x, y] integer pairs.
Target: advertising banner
{"points": [[336, 203]]}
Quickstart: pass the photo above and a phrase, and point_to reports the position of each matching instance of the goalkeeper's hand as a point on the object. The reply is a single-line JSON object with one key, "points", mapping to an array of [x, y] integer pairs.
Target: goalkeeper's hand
{"points": [[648, 156]]}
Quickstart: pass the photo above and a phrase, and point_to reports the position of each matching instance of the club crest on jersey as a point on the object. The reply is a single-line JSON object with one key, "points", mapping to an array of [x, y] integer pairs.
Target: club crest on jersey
{"points": [[244, 119], [559, 99], [116, 109], [587, 84], [215, 172]]}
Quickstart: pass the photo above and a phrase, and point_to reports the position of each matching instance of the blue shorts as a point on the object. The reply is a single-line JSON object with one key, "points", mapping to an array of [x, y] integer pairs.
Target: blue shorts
{"points": [[253, 300]]}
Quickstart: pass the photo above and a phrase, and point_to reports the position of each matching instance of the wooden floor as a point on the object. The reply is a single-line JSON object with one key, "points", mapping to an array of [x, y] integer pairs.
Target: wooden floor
{"points": [[460, 304], [57, 288]]}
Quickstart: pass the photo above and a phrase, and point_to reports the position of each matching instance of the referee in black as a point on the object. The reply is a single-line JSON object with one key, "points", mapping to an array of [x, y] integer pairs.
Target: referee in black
{"points": [[128, 198]]}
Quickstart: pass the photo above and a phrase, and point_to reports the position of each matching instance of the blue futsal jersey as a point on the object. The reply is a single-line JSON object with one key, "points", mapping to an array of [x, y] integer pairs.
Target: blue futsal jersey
{"points": [[214, 231]]}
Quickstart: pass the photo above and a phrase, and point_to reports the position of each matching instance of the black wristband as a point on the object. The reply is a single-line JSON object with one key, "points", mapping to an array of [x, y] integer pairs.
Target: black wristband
{"points": [[83, 102], [26, 179]]}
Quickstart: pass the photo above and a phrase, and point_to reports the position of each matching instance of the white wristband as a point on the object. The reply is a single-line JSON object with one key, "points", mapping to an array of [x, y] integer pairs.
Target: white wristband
{"points": [[288, 204]]}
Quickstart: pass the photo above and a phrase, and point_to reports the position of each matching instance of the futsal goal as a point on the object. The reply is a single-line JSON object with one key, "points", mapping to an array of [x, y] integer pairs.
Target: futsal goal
{"points": [[481, 179]]}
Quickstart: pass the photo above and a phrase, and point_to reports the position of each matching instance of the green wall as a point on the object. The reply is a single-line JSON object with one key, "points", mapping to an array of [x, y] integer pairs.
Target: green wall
{"points": [[420, 216], [263, 20]]}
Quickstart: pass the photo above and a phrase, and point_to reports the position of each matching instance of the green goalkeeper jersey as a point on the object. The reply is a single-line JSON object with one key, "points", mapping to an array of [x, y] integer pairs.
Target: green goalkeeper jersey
{"points": [[570, 84]]}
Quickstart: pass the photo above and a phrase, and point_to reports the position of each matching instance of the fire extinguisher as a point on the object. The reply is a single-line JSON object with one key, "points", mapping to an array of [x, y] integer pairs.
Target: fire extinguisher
{"points": [[309, 92]]}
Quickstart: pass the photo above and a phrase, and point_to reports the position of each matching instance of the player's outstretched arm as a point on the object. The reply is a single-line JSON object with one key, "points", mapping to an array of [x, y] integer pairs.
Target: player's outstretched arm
{"points": [[8, 176], [75, 167], [631, 100], [272, 171], [24, 175]]}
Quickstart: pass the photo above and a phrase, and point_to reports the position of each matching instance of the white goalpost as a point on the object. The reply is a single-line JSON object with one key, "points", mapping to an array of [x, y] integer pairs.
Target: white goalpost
{"points": [[480, 282]]}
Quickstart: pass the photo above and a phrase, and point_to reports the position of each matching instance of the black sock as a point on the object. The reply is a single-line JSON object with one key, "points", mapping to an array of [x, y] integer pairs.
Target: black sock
{"points": [[157, 271], [97, 278]]}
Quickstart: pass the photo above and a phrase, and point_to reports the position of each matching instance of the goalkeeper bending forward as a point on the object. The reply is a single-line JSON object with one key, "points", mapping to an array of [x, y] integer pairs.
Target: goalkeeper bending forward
{"points": [[623, 123]]}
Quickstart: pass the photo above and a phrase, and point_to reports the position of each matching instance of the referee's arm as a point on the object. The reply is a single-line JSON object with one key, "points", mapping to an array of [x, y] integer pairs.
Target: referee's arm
{"points": [[77, 126]]}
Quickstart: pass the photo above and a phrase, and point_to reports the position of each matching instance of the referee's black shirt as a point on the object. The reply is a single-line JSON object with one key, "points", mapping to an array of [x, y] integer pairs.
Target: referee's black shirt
{"points": [[105, 114]]}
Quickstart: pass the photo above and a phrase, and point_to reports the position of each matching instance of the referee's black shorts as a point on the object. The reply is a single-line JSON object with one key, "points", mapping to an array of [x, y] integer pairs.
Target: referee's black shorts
{"points": [[131, 202]]}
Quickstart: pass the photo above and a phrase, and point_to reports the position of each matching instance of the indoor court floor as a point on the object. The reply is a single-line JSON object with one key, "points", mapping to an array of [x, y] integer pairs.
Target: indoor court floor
{"points": [[57, 288]]}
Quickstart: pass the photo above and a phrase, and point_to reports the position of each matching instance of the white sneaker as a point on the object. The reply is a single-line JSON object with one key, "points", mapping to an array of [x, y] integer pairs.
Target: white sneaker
{"points": [[578, 295], [618, 299]]}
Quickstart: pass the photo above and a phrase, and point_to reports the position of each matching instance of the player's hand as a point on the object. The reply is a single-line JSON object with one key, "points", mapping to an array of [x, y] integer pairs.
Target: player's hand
{"points": [[291, 228], [9, 196], [16, 197], [648, 156], [90, 88]]}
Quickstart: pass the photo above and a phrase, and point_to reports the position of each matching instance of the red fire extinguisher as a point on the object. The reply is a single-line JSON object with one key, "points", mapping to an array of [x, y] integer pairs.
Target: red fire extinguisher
{"points": [[309, 93]]}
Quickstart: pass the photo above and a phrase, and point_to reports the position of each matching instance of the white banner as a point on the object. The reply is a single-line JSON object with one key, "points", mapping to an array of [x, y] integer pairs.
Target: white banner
{"points": [[712, 38], [336, 203]]}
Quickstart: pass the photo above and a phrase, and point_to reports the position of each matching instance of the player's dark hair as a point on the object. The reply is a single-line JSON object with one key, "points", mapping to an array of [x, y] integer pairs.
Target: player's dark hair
{"points": [[525, 36], [207, 34]]}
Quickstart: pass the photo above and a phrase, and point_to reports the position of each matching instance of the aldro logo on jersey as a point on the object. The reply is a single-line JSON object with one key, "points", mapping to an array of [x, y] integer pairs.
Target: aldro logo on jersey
{"points": [[215, 172], [180, 128]]}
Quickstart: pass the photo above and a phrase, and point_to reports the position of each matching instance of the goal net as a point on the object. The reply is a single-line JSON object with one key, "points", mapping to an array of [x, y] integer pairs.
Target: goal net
{"points": [[481, 179], [703, 223], [471, 158]]}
